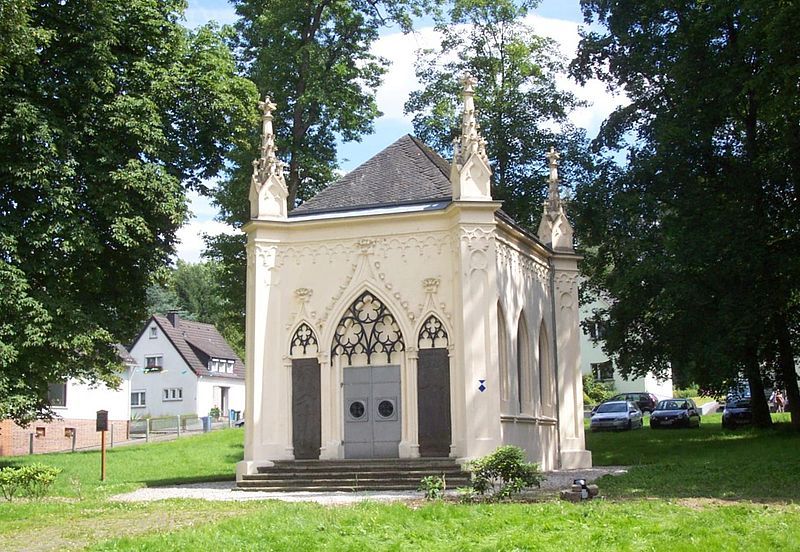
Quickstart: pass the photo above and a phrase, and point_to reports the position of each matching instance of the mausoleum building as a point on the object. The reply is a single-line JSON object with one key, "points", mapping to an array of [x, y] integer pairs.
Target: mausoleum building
{"points": [[401, 314]]}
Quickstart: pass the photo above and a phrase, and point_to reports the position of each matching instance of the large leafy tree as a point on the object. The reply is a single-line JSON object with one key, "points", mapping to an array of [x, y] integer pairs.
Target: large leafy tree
{"points": [[107, 109], [313, 59], [695, 238], [519, 106]]}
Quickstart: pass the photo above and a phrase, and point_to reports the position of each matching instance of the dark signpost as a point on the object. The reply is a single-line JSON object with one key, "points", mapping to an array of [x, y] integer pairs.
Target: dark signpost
{"points": [[102, 426]]}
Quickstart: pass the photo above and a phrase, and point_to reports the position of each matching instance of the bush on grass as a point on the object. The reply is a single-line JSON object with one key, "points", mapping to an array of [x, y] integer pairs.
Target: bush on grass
{"points": [[688, 393], [33, 481], [433, 486], [596, 392], [504, 473]]}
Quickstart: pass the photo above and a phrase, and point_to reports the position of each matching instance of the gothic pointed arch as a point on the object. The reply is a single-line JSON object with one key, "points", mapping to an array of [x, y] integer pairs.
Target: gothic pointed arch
{"points": [[304, 341], [432, 333], [367, 328], [524, 368], [502, 349], [547, 387]]}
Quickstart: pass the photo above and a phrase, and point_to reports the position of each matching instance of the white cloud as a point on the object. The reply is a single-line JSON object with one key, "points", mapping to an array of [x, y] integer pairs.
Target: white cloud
{"points": [[400, 80], [197, 15], [190, 237]]}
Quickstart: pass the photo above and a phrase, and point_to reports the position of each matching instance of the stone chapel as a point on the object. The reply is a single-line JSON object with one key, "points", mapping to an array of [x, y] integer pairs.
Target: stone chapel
{"points": [[400, 313]]}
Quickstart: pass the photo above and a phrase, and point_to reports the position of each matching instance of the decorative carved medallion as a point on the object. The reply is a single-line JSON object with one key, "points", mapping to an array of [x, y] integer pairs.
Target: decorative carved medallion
{"points": [[432, 334], [367, 328]]}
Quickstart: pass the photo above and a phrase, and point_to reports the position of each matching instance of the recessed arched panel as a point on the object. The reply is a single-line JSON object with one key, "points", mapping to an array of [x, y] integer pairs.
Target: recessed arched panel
{"points": [[304, 341], [432, 334], [367, 328], [502, 350]]}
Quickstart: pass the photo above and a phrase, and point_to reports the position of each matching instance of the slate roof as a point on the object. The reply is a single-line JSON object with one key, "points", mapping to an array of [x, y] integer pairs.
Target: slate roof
{"points": [[405, 173], [197, 343]]}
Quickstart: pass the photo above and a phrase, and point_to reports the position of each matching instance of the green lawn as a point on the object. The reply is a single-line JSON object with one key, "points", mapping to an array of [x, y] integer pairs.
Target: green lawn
{"points": [[686, 490]]}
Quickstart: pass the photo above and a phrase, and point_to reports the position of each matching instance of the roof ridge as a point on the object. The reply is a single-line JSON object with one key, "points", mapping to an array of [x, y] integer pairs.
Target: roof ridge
{"points": [[429, 153]]}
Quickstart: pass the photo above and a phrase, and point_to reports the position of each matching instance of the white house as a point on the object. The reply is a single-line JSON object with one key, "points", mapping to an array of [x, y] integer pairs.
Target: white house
{"points": [[75, 405], [185, 367], [400, 313], [597, 364]]}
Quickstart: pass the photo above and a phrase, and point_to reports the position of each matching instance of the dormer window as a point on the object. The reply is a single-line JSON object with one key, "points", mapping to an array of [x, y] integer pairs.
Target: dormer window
{"points": [[221, 365]]}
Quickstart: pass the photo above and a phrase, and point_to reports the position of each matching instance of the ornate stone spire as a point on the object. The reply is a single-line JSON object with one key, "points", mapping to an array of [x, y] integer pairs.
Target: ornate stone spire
{"points": [[555, 229], [553, 197], [267, 186], [471, 170]]}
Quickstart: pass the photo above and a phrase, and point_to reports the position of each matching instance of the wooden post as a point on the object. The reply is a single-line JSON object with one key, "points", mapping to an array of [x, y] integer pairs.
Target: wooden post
{"points": [[102, 456], [30, 444], [112, 434], [74, 438], [179, 426]]}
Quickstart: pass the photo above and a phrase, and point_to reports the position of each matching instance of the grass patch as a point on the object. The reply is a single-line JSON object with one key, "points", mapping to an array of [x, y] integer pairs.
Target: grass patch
{"points": [[686, 490], [709, 462], [547, 526]]}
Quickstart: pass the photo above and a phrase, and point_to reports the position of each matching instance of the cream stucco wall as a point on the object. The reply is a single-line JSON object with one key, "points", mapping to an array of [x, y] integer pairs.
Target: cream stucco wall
{"points": [[444, 261]]}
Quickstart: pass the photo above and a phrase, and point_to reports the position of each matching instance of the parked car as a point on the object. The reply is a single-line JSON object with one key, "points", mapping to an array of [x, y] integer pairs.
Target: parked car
{"points": [[738, 412], [675, 413], [616, 415], [645, 401]]}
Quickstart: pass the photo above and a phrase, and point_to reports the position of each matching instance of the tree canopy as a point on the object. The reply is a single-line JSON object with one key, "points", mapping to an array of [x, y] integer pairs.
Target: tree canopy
{"points": [[520, 108], [313, 60], [107, 110], [695, 238]]}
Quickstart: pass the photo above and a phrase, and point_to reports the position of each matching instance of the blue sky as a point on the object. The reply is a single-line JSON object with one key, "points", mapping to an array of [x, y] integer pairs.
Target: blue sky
{"points": [[558, 19]]}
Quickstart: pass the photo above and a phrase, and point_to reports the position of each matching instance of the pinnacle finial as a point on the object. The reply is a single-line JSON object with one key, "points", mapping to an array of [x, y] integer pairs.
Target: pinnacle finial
{"points": [[471, 140], [553, 204], [268, 163]]}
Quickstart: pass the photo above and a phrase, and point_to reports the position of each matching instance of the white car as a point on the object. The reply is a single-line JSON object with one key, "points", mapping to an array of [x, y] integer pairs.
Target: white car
{"points": [[616, 415]]}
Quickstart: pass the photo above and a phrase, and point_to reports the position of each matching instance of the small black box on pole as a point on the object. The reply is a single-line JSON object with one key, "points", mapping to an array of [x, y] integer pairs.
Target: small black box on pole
{"points": [[102, 420]]}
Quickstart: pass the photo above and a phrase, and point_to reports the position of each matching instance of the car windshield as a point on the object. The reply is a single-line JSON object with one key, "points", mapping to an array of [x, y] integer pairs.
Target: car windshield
{"points": [[612, 407], [738, 403], [672, 405]]}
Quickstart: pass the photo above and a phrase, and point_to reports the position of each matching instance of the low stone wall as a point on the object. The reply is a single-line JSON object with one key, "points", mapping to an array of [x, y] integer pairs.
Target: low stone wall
{"points": [[56, 436]]}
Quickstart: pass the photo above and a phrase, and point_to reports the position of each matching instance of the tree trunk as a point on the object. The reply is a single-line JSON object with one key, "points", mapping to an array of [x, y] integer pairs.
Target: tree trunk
{"points": [[761, 415], [787, 370]]}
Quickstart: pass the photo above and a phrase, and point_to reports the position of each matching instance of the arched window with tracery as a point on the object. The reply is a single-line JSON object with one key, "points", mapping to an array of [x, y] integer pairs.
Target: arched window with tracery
{"points": [[367, 328], [432, 334], [304, 342]]}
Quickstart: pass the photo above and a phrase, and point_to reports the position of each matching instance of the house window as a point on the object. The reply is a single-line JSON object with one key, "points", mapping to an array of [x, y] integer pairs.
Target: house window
{"points": [[603, 371], [229, 367], [153, 332], [596, 330], [40, 432], [153, 363], [137, 399], [57, 394], [173, 394]]}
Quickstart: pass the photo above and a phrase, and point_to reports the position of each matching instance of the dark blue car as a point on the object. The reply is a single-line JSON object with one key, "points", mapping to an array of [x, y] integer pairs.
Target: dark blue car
{"points": [[738, 412]]}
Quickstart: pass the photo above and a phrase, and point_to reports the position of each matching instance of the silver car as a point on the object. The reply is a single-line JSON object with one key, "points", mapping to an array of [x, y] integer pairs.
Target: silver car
{"points": [[616, 415]]}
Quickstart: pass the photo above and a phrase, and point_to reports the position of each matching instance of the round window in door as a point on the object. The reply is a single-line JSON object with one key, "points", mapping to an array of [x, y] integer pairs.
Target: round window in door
{"points": [[357, 410], [385, 409]]}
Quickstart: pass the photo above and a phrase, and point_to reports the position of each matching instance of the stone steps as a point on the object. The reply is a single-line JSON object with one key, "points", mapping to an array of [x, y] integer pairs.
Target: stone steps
{"points": [[352, 475]]}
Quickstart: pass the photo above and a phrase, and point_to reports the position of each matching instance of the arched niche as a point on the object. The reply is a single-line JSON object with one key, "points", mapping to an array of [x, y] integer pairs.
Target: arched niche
{"points": [[433, 389], [306, 393]]}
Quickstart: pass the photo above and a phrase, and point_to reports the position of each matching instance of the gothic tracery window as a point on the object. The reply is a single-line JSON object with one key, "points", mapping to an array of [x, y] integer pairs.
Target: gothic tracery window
{"points": [[367, 328], [432, 334], [304, 341]]}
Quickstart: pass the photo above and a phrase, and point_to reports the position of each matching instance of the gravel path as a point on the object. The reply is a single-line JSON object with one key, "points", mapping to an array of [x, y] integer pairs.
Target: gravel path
{"points": [[223, 490]]}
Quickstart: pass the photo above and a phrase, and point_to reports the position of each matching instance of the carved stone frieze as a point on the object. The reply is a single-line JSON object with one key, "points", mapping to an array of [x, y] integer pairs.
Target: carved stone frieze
{"points": [[516, 261]]}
